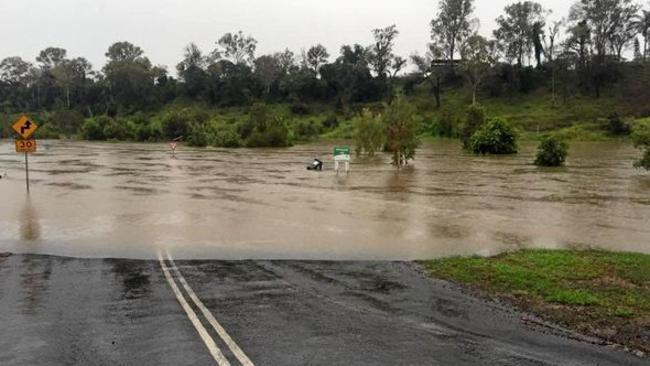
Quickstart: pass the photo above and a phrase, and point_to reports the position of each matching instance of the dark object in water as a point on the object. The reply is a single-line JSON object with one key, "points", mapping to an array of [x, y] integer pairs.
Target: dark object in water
{"points": [[5, 254], [315, 165]]}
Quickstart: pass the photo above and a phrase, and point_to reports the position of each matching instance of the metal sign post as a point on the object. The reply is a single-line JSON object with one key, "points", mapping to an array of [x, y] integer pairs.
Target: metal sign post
{"points": [[27, 172], [25, 128]]}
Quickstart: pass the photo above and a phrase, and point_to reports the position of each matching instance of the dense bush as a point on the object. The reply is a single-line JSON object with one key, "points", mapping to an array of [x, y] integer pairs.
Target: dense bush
{"points": [[330, 122], [496, 137], [444, 125], [68, 121], [118, 129], [306, 130], [617, 126], [641, 139], [474, 119], [93, 128], [551, 152], [225, 136], [369, 133], [197, 135], [175, 124], [300, 109], [48, 131], [265, 128]]}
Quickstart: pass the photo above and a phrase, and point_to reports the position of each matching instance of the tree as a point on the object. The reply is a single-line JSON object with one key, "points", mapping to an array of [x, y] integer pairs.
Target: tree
{"points": [[624, 30], [608, 20], [192, 70], [430, 68], [451, 26], [129, 77], [124, 52], [237, 47], [517, 27], [642, 25], [369, 133], [551, 51], [14, 71], [51, 57], [268, 70], [402, 130], [381, 52], [478, 57], [316, 56]]}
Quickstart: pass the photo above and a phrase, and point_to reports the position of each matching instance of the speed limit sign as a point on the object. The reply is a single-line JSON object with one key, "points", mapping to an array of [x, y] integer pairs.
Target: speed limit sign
{"points": [[26, 146]]}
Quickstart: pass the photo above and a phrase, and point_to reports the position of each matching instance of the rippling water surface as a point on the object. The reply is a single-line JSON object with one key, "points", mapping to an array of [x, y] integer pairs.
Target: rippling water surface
{"points": [[130, 200]]}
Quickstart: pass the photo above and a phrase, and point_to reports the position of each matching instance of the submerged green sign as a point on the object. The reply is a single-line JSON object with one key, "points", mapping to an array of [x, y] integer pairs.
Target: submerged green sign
{"points": [[341, 150]]}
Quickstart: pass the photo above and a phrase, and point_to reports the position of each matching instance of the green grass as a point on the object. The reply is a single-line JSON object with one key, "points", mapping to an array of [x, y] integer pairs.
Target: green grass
{"points": [[590, 291]]}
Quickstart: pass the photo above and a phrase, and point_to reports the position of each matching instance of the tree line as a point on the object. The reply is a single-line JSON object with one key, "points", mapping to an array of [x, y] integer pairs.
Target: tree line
{"points": [[583, 52]]}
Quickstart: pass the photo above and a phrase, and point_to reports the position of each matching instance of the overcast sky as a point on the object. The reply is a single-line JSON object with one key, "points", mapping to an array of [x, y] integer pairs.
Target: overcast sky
{"points": [[163, 27]]}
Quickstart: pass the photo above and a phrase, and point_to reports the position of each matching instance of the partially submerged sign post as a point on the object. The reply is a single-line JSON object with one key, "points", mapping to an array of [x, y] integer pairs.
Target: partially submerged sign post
{"points": [[25, 127], [342, 155]]}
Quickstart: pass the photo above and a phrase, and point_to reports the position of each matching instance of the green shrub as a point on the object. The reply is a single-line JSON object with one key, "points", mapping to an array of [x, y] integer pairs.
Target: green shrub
{"points": [[474, 120], [48, 131], [197, 135], [330, 122], [117, 129], [641, 139], [306, 130], [225, 136], [617, 126], [175, 124], [402, 129], [445, 125], [68, 121], [369, 134], [301, 109], [497, 136], [93, 128], [551, 152]]}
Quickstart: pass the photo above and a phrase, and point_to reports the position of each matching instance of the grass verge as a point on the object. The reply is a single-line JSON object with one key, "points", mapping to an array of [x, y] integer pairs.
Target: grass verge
{"points": [[597, 293]]}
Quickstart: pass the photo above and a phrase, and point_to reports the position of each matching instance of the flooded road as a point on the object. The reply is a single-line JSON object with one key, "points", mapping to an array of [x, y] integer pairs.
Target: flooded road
{"points": [[130, 200]]}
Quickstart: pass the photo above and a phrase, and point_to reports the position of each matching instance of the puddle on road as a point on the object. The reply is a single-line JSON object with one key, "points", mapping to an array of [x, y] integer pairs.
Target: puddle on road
{"points": [[130, 200]]}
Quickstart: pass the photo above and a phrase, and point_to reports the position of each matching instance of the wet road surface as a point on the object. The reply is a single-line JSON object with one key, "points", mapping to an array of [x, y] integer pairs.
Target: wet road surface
{"points": [[60, 311], [123, 200]]}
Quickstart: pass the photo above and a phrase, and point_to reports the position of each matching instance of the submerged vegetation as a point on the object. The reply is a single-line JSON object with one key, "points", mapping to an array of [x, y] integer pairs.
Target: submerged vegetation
{"points": [[597, 293], [551, 152]]}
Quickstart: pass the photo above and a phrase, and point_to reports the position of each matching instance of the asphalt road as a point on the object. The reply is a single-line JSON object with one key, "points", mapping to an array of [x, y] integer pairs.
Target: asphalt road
{"points": [[61, 311]]}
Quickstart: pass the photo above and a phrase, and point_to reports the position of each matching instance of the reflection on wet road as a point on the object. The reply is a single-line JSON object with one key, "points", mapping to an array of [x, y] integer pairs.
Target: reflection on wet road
{"points": [[129, 200]]}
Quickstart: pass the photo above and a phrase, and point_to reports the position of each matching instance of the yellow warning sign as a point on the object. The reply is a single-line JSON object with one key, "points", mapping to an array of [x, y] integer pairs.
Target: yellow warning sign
{"points": [[25, 127]]}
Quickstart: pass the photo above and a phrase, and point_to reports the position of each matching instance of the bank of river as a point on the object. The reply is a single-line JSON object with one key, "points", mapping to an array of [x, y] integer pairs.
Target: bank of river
{"points": [[130, 200], [597, 293]]}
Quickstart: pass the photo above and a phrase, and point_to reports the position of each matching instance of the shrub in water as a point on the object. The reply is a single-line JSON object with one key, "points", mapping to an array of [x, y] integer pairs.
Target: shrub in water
{"points": [[444, 126], [641, 139], [473, 121], [226, 136], [198, 135], [93, 128], [616, 126], [307, 129], [369, 133], [551, 152], [496, 137], [175, 124]]}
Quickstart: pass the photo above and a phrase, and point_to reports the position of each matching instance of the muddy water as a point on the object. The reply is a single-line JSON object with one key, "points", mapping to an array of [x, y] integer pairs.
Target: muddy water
{"points": [[130, 200]]}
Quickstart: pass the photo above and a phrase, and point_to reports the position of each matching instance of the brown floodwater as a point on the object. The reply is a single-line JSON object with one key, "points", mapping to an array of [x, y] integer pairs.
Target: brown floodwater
{"points": [[131, 200]]}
